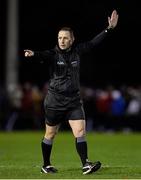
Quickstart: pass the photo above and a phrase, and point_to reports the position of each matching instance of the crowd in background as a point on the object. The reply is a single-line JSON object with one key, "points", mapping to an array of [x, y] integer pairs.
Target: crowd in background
{"points": [[107, 109]]}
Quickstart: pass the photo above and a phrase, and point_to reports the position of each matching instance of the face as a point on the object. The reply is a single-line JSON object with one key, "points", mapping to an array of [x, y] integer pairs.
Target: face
{"points": [[65, 40]]}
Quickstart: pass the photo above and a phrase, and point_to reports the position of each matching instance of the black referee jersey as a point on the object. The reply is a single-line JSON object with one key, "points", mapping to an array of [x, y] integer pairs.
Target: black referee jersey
{"points": [[65, 64]]}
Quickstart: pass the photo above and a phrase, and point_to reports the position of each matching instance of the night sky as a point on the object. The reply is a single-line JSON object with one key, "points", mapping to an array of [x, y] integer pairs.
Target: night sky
{"points": [[115, 61]]}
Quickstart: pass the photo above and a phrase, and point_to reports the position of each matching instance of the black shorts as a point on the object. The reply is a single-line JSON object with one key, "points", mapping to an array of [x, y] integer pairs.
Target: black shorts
{"points": [[56, 101], [55, 117], [59, 108]]}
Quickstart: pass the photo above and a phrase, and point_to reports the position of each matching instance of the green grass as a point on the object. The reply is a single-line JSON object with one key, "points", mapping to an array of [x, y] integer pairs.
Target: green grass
{"points": [[20, 156]]}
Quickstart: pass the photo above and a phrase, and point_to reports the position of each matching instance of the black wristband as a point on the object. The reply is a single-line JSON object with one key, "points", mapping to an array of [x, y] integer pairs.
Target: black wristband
{"points": [[108, 29]]}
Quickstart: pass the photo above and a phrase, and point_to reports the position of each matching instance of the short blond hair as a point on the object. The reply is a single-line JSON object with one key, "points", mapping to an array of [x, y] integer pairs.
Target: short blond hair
{"points": [[65, 28]]}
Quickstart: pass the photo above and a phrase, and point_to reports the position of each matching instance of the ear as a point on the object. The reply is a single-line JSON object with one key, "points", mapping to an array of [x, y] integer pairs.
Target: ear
{"points": [[73, 39]]}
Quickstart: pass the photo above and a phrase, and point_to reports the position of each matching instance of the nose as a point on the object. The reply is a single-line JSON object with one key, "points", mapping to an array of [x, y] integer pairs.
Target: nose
{"points": [[62, 41]]}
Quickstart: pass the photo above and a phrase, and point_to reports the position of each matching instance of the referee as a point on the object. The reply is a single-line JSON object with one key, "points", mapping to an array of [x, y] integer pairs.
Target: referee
{"points": [[63, 101]]}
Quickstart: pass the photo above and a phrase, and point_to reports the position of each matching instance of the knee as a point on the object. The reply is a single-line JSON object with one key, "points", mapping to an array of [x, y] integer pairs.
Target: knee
{"points": [[79, 132], [50, 134]]}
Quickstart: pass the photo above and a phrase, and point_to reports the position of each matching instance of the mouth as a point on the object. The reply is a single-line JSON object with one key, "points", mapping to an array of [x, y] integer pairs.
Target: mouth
{"points": [[62, 46]]}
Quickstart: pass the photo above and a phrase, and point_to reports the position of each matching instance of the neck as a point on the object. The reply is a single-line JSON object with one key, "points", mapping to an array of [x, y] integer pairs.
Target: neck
{"points": [[63, 50]]}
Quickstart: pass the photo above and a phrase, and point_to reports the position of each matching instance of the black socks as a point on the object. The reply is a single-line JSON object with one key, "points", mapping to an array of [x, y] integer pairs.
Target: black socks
{"points": [[81, 147], [46, 151]]}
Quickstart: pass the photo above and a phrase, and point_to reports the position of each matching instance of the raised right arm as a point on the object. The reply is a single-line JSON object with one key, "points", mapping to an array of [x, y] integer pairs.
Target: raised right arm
{"points": [[41, 55]]}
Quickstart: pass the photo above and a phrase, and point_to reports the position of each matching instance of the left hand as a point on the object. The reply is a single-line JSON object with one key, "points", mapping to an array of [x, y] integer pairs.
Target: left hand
{"points": [[113, 20]]}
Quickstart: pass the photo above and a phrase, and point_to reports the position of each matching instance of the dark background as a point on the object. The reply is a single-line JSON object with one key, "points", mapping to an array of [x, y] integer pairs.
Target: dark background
{"points": [[115, 61]]}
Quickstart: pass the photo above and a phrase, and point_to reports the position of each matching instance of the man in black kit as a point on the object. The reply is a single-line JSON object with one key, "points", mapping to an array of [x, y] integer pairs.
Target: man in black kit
{"points": [[63, 101]]}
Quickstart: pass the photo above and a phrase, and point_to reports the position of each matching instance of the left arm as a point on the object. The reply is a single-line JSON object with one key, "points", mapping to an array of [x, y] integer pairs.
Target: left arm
{"points": [[112, 23]]}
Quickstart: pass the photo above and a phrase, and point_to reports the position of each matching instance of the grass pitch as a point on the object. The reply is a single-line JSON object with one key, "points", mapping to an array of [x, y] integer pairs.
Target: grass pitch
{"points": [[20, 156]]}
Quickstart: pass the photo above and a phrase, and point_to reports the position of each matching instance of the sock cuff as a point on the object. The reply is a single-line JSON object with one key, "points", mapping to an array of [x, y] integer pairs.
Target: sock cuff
{"points": [[47, 141], [80, 139]]}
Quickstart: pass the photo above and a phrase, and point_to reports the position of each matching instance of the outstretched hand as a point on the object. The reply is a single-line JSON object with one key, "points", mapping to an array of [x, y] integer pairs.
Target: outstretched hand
{"points": [[113, 20], [28, 53]]}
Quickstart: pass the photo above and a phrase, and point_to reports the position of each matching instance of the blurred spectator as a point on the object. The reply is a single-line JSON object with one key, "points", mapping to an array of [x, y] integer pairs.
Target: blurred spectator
{"points": [[133, 111], [103, 102], [37, 98], [134, 106], [15, 96], [27, 107], [118, 103]]}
